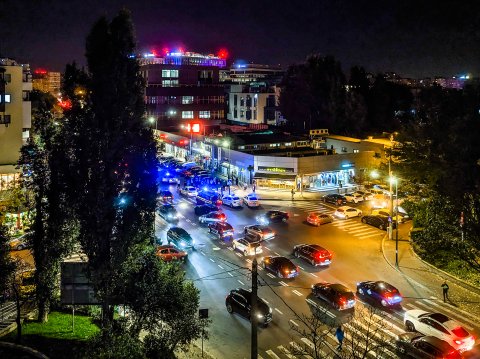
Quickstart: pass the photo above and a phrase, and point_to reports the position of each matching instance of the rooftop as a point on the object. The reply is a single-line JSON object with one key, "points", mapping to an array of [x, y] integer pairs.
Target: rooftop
{"points": [[343, 138]]}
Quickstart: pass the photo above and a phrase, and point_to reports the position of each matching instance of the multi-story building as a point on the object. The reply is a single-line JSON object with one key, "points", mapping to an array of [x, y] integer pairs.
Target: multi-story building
{"points": [[15, 117], [47, 81], [243, 73], [181, 86], [255, 103]]}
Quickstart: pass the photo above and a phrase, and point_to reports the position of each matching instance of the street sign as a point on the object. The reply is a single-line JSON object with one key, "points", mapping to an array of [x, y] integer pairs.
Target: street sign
{"points": [[390, 219]]}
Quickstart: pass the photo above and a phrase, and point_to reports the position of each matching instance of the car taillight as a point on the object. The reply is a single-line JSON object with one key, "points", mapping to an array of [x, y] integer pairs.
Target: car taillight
{"points": [[219, 202], [343, 300]]}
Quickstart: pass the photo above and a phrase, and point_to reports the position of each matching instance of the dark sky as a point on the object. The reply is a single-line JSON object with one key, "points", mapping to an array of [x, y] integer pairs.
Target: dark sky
{"points": [[414, 38]]}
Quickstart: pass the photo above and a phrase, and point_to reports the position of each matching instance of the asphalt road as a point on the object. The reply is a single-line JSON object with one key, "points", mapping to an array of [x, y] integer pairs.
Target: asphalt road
{"points": [[216, 269]]}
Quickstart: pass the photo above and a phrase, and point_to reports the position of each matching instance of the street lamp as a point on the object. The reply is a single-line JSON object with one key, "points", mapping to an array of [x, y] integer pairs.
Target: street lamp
{"points": [[395, 180]]}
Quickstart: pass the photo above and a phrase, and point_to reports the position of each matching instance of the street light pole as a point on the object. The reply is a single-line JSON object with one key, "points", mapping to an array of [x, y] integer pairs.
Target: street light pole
{"points": [[396, 224], [390, 230], [253, 310]]}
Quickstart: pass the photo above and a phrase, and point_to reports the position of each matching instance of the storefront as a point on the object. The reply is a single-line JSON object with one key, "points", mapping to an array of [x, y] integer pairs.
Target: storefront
{"points": [[275, 180], [330, 179]]}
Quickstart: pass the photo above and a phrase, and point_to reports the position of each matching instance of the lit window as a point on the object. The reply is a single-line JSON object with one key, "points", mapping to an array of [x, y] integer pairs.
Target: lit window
{"points": [[169, 73], [187, 114], [169, 83], [187, 100], [356, 151], [7, 98], [204, 114]]}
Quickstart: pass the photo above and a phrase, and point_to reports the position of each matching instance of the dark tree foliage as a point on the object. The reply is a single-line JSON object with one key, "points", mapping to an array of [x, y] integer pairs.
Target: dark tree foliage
{"points": [[7, 266], [115, 161]]}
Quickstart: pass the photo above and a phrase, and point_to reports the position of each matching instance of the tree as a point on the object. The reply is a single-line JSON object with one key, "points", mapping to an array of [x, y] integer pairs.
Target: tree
{"points": [[7, 266]]}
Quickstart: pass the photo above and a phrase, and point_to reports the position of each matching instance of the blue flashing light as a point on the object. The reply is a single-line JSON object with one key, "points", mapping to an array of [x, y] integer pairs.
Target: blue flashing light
{"points": [[168, 173], [347, 165], [122, 201], [205, 188]]}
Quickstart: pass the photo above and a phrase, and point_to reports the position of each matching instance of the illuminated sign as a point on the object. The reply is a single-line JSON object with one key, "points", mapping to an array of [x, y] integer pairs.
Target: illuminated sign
{"points": [[193, 127], [276, 169], [348, 165]]}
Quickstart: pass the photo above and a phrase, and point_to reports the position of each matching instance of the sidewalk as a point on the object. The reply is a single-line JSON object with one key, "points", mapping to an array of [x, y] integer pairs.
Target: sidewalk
{"points": [[463, 296]]}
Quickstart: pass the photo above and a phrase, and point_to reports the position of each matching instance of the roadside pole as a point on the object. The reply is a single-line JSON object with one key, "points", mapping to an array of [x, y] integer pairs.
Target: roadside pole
{"points": [[253, 310]]}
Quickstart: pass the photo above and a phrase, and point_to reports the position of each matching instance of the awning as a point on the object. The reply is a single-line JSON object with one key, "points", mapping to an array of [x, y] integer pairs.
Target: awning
{"points": [[275, 176]]}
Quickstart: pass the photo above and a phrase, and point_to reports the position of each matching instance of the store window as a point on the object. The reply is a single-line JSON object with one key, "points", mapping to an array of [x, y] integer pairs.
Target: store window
{"points": [[344, 149], [356, 151], [187, 100], [187, 114], [169, 83]]}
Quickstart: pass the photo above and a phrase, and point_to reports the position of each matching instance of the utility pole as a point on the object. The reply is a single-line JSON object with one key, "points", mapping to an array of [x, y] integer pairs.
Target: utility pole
{"points": [[390, 229], [396, 225], [253, 310]]}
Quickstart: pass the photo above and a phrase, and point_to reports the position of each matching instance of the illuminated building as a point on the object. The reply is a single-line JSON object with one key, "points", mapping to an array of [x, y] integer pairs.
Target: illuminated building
{"points": [[47, 81], [243, 73], [15, 116], [181, 86]]}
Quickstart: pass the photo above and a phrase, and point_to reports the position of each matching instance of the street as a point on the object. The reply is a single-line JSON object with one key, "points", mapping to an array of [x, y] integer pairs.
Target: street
{"points": [[357, 256]]}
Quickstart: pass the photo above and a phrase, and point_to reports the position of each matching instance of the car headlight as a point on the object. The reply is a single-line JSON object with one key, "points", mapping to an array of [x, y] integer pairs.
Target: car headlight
{"points": [[270, 310], [259, 316], [193, 241], [182, 244]]}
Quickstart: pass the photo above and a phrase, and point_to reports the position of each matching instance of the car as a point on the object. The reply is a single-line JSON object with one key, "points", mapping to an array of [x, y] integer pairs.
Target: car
{"points": [[402, 216], [263, 232], [204, 209], [418, 346], [251, 200], [381, 222], [188, 191], [281, 266], [170, 253], [273, 217], [439, 326], [334, 199], [366, 194], [347, 212], [170, 180], [180, 238], [18, 244], [215, 216], [249, 245], [240, 301], [208, 197], [168, 212], [354, 197], [313, 254], [335, 294], [381, 292], [318, 218], [232, 200], [165, 196], [221, 229]]}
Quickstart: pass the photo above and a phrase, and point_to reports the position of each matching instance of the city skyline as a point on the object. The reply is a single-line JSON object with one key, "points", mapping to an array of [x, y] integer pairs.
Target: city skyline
{"points": [[420, 41]]}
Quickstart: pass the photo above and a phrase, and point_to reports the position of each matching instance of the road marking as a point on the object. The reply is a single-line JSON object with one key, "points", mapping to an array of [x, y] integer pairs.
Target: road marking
{"points": [[270, 275], [230, 274], [370, 235], [230, 248], [313, 275], [211, 260], [203, 253], [263, 300], [277, 310], [296, 215], [360, 230], [301, 268], [272, 354], [451, 312], [238, 254], [216, 248], [291, 321], [286, 352], [219, 266], [239, 281], [268, 249], [249, 261], [276, 253], [297, 292], [283, 283]]}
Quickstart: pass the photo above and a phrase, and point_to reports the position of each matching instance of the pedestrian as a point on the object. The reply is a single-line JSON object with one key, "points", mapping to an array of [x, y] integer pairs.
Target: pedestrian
{"points": [[253, 188], [445, 291], [340, 334], [236, 181], [293, 193]]}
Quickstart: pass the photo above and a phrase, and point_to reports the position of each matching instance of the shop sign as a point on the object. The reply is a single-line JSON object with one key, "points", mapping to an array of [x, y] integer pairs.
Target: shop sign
{"points": [[276, 169], [348, 165]]}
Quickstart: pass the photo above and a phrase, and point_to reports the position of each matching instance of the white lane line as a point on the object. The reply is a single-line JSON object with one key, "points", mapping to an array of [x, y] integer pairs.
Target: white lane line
{"points": [[279, 312], [283, 283], [219, 266], [313, 275], [239, 281], [249, 261], [272, 354], [216, 248], [344, 224], [371, 235], [311, 345], [203, 253], [270, 275], [297, 292], [360, 230], [268, 249], [311, 302], [301, 268], [263, 300], [278, 254], [367, 232], [211, 260], [230, 274], [396, 327], [286, 352], [291, 321], [230, 248], [238, 254]]}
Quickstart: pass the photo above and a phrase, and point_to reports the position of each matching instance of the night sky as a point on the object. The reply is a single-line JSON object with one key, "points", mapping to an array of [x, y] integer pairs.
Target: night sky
{"points": [[413, 38]]}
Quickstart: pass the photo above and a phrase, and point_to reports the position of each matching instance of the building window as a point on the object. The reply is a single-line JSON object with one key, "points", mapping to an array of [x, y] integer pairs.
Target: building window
{"points": [[169, 83], [235, 100], [235, 113], [6, 98], [356, 151], [204, 114], [242, 113], [26, 95], [187, 100], [187, 114], [5, 120], [6, 78], [344, 149], [242, 101], [169, 73]]}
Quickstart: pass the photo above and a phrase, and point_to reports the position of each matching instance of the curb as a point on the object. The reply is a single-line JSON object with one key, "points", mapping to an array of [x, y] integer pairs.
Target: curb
{"points": [[23, 348]]}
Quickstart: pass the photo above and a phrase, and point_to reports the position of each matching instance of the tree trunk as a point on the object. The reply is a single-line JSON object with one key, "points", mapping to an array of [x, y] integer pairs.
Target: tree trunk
{"points": [[18, 318], [107, 314], [43, 309]]}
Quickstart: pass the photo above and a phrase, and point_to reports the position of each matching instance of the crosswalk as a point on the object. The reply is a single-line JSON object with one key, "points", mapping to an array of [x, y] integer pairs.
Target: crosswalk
{"points": [[386, 327]]}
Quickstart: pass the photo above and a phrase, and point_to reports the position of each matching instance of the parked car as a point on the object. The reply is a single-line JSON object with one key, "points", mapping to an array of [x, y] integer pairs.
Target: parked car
{"points": [[281, 266], [366, 194], [249, 245], [318, 218], [180, 238], [240, 301], [209, 197], [18, 244], [168, 212], [273, 217], [313, 254], [232, 200], [188, 191], [354, 197], [347, 212], [381, 292], [335, 199], [335, 294], [263, 232], [216, 216], [402, 216], [204, 209], [170, 180], [251, 200], [439, 326], [165, 196], [170, 253], [418, 346], [381, 222], [221, 229]]}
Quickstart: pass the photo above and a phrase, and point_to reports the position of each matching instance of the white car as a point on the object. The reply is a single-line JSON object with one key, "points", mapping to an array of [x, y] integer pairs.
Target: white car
{"points": [[251, 200], [347, 212], [354, 197], [440, 326], [189, 191], [232, 200], [249, 246]]}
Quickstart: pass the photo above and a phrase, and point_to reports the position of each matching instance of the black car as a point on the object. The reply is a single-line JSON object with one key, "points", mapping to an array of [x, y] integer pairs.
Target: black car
{"points": [[180, 238], [240, 301], [168, 212], [416, 345], [204, 209], [335, 199], [313, 253], [335, 294], [381, 292], [281, 266], [381, 222], [221, 229], [165, 196], [263, 232], [273, 217]]}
